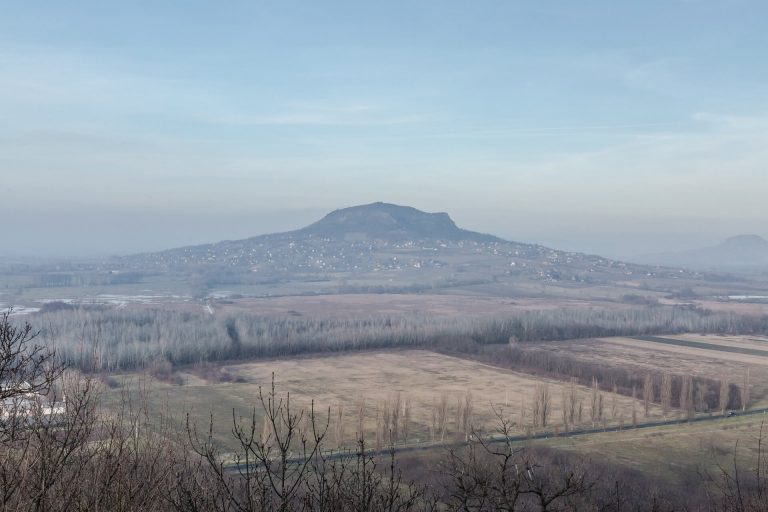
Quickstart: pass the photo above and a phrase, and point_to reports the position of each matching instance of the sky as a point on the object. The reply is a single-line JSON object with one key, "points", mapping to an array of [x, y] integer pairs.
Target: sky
{"points": [[618, 128]]}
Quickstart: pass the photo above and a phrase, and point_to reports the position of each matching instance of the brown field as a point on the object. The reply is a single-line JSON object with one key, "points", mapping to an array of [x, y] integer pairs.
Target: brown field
{"points": [[347, 381], [690, 357], [347, 305], [756, 342], [328, 298], [741, 308], [474, 301], [466, 302], [648, 356]]}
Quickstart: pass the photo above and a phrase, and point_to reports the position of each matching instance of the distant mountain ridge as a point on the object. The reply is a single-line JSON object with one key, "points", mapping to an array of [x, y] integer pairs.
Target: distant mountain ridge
{"points": [[741, 252]]}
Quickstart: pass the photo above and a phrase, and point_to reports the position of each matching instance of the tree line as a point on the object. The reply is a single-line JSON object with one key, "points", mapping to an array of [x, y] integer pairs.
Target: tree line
{"points": [[98, 338], [708, 394]]}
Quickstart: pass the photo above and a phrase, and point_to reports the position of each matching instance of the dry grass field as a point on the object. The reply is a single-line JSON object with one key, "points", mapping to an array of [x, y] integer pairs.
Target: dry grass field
{"points": [[350, 305], [671, 451], [647, 356], [676, 454], [739, 308], [418, 380], [755, 342]]}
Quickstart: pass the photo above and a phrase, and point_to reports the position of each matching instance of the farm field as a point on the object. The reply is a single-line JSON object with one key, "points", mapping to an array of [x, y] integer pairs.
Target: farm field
{"points": [[418, 380], [656, 357], [397, 304], [750, 342], [729, 347], [476, 302], [736, 307]]}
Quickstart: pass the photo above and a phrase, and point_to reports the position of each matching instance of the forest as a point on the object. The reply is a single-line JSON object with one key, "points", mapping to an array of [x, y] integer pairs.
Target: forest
{"points": [[94, 338]]}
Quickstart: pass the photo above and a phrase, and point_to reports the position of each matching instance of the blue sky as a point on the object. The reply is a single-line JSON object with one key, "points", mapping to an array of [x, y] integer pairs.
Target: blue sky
{"points": [[604, 126]]}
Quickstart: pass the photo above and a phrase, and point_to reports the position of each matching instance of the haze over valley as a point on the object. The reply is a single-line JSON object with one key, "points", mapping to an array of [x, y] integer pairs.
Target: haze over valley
{"points": [[405, 256]]}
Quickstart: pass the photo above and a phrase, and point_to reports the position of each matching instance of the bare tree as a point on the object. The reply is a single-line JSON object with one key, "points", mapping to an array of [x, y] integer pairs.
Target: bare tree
{"points": [[361, 419], [292, 474], [523, 414], [580, 411], [433, 423], [485, 477], [572, 399], [745, 391], [542, 405], [683, 398], [600, 415], [394, 425], [634, 406], [725, 395], [466, 414], [267, 433], [457, 420], [406, 418], [63, 456], [743, 486], [28, 372], [270, 478], [666, 393], [42, 463], [133, 466], [379, 428], [647, 394], [386, 429], [565, 408], [686, 397], [338, 426], [594, 399], [701, 400], [442, 416]]}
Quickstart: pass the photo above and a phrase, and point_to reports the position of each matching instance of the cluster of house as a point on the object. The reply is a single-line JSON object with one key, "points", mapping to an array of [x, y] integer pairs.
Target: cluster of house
{"points": [[22, 405]]}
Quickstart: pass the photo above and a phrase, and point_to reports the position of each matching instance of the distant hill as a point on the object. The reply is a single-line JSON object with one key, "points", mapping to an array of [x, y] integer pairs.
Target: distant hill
{"points": [[743, 252], [379, 246], [344, 240]]}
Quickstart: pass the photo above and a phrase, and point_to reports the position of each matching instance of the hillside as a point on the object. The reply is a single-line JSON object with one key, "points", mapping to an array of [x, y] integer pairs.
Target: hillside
{"points": [[743, 252], [382, 247]]}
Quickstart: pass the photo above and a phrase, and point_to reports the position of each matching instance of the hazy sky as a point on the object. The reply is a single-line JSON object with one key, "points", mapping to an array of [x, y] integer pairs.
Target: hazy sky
{"points": [[608, 126]]}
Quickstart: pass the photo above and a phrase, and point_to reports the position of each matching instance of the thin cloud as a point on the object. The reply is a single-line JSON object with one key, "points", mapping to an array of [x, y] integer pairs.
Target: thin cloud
{"points": [[341, 118]]}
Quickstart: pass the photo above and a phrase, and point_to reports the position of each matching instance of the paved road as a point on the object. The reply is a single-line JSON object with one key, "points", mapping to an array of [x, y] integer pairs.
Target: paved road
{"points": [[333, 455]]}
